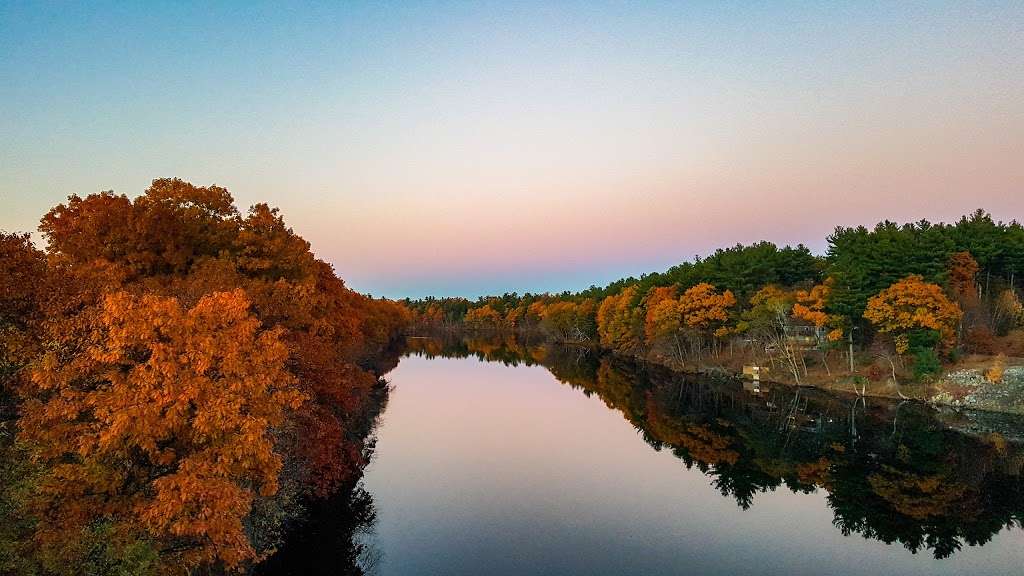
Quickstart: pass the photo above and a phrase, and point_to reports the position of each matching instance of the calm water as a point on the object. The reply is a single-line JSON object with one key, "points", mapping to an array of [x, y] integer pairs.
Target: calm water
{"points": [[500, 467]]}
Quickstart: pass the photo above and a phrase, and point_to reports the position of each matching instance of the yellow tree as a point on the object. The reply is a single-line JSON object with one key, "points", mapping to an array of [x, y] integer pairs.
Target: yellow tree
{"points": [[655, 297], [663, 320], [483, 318], [913, 304], [586, 317], [534, 312], [618, 322], [514, 317], [810, 307], [767, 322], [705, 311], [559, 319], [432, 317], [1008, 311]]}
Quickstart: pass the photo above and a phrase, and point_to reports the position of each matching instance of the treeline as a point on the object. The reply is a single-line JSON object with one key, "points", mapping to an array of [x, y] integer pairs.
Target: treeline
{"points": [[920, 292], [177, 379]]}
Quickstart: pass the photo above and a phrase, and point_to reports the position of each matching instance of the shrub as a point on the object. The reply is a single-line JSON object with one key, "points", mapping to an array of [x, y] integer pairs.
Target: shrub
{"points": [[995, 373]]}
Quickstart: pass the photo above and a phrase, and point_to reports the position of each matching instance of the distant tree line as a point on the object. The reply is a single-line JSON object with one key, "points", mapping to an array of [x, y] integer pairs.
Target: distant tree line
{"points": [[915, 294]]}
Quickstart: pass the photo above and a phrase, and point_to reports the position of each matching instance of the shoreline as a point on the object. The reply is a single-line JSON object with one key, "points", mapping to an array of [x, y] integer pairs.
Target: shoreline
{"points": [[961, 386]]}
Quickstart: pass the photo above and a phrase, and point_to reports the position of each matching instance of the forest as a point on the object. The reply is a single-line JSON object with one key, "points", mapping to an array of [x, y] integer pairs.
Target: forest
{"points": [[178, 381], [894, 304]]}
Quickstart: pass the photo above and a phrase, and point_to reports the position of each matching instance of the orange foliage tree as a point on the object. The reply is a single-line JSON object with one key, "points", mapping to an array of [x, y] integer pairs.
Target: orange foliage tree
{"points": [[179, 334], [705, 311], [483, 318], [533, 314], [657, 297], [963, 269], [663, 321], [160, 418], [810, 306], [913, 304], [22, 280], [1008, 311], [514, 316], [618, 322], [561, 321], [431, 317]]}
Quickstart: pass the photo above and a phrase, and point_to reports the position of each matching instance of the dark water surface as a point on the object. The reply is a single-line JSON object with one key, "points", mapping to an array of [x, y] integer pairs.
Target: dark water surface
{"points": [[541, 460]]}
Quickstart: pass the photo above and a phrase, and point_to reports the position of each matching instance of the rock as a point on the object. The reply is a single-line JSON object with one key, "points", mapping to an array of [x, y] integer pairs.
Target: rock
{"points": [[1014, 376], [966, 377]]}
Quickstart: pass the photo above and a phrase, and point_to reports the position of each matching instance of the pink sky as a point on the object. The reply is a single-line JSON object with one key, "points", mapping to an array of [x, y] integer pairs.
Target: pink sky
{"points": [[457, 150]]}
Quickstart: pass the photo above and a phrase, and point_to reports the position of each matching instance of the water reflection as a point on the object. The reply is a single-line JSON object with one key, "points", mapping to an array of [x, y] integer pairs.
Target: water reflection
{"points": [[894, 472], [501, 470], [330, 540]]}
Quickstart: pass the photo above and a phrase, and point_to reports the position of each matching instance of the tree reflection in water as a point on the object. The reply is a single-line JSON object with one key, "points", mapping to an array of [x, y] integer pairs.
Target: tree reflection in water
{"points": [[894, 471], [898, 472]]}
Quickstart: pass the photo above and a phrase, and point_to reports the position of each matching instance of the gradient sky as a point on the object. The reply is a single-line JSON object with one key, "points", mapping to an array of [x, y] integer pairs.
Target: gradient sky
{"points": [[467, 148]]}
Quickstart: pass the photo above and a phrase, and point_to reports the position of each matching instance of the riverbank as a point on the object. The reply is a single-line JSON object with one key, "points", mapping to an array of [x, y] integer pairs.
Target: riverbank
{"points": [[976, 382], [962, 385]]}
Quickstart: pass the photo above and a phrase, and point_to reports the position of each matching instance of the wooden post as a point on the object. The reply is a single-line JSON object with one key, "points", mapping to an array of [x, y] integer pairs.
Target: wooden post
{"points": [[850, 340]]}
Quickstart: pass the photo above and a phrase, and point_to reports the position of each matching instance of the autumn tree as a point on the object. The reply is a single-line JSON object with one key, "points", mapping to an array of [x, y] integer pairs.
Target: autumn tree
{"points": [[663, 321], [1007, 311], [705, 311], [161, 418], [514, 316], [655, 297], [431, 317], [586, 317], [963, 270], [810, 306], [165, 231], [179, 333], [483, 318], [265, 247], [619, 323], [22, 279], [917, 314], [534, 313], [767, 322], [561, 321]]}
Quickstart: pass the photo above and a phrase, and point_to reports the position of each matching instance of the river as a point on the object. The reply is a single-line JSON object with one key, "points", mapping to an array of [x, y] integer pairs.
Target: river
{"points": [[499, 458]]}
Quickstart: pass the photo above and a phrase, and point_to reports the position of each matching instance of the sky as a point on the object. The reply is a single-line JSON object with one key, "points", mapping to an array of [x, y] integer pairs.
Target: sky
{"points": [[469, 148]]}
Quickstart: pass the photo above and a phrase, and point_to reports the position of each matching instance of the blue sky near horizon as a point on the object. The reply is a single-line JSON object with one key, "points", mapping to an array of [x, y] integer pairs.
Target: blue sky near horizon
{"points": [[468, 148]]}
